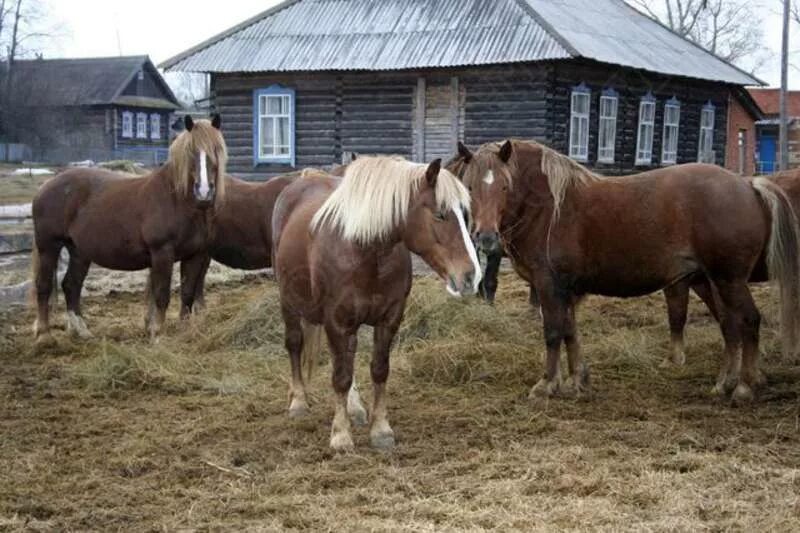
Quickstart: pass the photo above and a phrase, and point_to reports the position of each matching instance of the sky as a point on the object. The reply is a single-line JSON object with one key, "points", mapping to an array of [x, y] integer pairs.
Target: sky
{"points": [[164, 28]]}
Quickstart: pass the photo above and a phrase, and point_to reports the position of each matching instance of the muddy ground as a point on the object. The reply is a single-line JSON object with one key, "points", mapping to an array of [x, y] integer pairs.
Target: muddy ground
{"points": [[191, 434]]}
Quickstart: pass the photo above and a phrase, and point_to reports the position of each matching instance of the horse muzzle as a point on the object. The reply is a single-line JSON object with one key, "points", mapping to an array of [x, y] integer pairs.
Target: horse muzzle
{"points": [[464, 287], [487, 242], [207, 199]]}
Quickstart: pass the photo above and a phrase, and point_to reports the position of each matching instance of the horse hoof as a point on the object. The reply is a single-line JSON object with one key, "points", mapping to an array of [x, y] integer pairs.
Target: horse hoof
{"points": [[717, 391], [383, 440], [342, 442], [742, 394], [298, 409], [359, 417], [544, 389]]}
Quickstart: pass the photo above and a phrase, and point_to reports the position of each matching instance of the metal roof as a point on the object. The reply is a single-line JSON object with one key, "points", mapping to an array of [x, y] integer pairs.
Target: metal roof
{"points": [[315, 35]]}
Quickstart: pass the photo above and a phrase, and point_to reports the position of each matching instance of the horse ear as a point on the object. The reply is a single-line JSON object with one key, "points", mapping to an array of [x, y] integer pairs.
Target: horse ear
{"points": [[433, 172], [464, 152], [505, 151], [216, 121], [188, 123]]}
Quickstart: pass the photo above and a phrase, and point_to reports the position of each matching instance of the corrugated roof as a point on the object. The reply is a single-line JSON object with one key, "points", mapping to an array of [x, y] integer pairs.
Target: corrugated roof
{"points": [[314, 35], [79, 81], [613, 32]]}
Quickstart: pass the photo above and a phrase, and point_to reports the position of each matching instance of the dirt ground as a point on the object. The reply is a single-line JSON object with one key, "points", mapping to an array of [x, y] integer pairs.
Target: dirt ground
{"points": [[191, 434]]}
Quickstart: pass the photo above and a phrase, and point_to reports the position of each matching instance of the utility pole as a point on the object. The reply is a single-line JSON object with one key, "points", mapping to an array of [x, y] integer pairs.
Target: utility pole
{"points": [[783, 139]]}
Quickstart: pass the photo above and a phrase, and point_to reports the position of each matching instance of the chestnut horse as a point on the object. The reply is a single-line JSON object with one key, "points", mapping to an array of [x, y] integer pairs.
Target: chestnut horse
{"points": [[341, 256], [125, 223], [572, 233], [242, 236]]}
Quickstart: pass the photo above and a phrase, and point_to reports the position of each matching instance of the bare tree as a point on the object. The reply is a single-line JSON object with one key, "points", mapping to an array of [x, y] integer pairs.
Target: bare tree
{"points": [[731, 29], [188, 87]]}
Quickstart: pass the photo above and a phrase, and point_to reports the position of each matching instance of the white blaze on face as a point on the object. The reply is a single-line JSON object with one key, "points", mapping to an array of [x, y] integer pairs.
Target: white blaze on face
{"points": [[204, 187], [473, 255], [489, 178]]}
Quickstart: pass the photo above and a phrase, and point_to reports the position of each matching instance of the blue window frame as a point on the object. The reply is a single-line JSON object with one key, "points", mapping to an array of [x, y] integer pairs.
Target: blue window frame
{"points": [[274, 125]]}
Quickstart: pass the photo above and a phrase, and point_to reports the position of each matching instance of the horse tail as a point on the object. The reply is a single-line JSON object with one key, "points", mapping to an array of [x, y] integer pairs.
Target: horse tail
{"points": [[783, 259], [34, 274], [312, 347]]}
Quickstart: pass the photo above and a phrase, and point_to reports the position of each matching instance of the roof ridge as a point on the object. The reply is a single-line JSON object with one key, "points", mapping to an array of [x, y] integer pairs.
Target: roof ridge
{"points": [[169, 63]]}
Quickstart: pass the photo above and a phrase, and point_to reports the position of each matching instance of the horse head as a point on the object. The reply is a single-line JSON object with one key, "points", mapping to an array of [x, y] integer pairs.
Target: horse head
{"points": [[198, 157], [488, 177], [436, 230]]}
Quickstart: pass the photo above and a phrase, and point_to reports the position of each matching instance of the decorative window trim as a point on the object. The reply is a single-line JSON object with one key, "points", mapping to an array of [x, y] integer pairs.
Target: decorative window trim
{"points": [[647, 101], [155, 126], [141, 125], [127, 125], [258, 94], [707, 133], [670, 157], [579, 142], [606, 150]]}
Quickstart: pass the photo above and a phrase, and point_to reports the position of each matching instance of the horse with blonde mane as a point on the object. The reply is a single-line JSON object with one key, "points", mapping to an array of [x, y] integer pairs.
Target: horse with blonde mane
{"points": [[125, 223], [341, 256], [570, 233]]}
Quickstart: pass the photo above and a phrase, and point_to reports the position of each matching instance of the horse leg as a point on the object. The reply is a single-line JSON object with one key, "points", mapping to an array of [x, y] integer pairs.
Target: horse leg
{"points": [[739, 303], [677, 296], [703, 290], [72, 285], [579, 372], [731, 334], [380, 432], [554, 315], [193, 271], [160, 285], [488, 285], [533, 299], [45, 265], [298, 404], [343, 348]]}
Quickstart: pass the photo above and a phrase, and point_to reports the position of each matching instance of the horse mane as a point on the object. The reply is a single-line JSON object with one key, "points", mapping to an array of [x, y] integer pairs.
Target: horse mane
{"points": [[562, 174], [185, 148], [375, 194]]}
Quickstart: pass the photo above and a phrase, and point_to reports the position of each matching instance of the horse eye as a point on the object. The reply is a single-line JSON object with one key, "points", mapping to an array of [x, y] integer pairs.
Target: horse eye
{"points": [[440, 215]]}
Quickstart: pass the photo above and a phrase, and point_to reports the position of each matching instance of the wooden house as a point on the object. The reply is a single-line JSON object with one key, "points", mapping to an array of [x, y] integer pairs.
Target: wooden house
{"points": [[309, 81], [95, 108]]}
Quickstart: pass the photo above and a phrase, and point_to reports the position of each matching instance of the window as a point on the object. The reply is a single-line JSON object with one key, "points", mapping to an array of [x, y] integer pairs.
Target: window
{"points": [[672, 118], [274, 125], [127, 124], [644, 138], [141, 125], [579, 123], [705, 152], [155, 126], [607, 132]]}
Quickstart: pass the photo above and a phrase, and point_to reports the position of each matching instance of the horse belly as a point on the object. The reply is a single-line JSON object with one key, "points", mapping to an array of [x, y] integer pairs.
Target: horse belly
{"points": [[112, 250], [242, 257]]}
